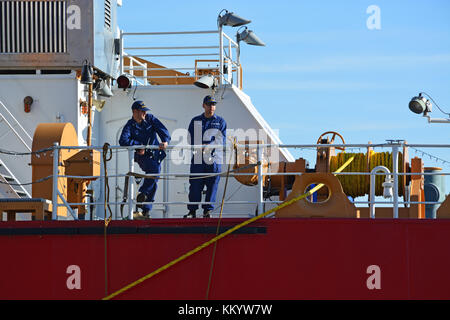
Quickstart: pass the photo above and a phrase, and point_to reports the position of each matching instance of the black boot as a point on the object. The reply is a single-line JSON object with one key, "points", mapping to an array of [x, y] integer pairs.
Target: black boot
{"points": [[207, 214], [191, 214], [146, 214], [141, 197]]}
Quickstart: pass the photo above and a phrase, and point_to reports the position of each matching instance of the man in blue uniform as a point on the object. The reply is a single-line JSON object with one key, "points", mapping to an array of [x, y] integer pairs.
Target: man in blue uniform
{"points": [[142, 129], [207, 128]]}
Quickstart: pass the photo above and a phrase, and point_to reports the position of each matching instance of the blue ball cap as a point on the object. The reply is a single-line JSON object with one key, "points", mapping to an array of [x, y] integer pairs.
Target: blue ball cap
{"points": [[139, 105], [209, 99]]}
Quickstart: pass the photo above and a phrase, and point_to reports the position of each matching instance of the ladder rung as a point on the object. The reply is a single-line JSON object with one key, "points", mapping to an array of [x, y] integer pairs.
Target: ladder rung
{"points": [[20, 193], [8, 178]]}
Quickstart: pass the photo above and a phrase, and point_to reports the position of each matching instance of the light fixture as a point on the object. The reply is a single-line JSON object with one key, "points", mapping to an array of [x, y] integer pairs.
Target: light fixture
{"points": [[86, 73], [103, 89], [249, 37], [27, 102], [206, 82], [124, 81], [421, 105], [231, 19], [98, 104]]}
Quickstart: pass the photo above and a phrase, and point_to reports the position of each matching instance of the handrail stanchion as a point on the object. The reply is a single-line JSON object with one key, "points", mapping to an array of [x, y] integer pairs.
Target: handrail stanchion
{"points": [[395, 173], [260, 180], [230, 65], [166, 190], [221, 76], [116, 179], [55, 181], [101, 208], [372, 194], [121, 53], [130, 183], [372, 187]]}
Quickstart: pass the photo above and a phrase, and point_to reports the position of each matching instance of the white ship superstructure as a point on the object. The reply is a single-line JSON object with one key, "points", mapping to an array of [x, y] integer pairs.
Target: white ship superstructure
{"points": [[48, 44]]}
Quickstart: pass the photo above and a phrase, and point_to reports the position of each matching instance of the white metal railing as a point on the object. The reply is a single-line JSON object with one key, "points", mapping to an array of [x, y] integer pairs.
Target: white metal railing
{"points": [[140, 66], [19, 188], [13, 129], [185, 54], [260, 202]]}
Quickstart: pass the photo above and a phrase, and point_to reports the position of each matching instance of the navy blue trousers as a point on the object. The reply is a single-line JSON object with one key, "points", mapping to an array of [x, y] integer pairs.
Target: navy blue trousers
{"points": [[148, 165], [197, 185]]}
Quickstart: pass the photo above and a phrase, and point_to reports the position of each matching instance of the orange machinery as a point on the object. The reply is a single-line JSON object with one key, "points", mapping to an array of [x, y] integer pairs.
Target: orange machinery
{"points": [[332, 199], [71, 162]]}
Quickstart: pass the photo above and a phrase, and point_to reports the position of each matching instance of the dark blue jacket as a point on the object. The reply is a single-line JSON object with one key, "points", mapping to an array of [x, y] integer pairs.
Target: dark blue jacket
{"points": [[144, 133], [216, 123]]}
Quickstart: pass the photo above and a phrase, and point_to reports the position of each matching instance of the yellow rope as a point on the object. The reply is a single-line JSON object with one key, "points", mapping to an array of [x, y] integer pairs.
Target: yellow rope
{"points": [[218, 223], [222, 235], [359, 185]]}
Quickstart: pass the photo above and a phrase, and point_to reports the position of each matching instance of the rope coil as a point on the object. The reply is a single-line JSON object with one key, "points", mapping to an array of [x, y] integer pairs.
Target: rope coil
{"points": [[359, 185]]}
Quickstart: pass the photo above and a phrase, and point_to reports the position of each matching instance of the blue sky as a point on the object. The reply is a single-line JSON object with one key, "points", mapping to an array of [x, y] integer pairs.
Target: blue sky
{"points": [[323, 69]]}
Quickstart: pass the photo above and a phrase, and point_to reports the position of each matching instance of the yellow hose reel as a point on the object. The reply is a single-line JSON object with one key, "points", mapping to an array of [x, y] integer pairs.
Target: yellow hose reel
{"points": [[359, 185]]}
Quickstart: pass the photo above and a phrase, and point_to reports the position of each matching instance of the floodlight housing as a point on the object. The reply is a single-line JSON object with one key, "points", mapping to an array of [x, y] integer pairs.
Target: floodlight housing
{"points": [[231, 19], [249, 37], [420, 105], [205, 82]]}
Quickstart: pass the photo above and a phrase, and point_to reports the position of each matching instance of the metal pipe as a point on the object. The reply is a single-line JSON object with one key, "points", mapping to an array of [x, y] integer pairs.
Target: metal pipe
{"points": [[130, 184], [170, 48], [372, 188], [177, 55], [39, 76], [395, 172], [437, 120], [247, 202], [187, 146], [171, 203], [230, 66], [166, 191], [181, 175], [121, 52], [427, 145], [260, 181], [230, 40], [166, 33], [162, 77], [238, 63], [161, 69], [55, 181], [220, 55], [116, 180], [89, 128]]}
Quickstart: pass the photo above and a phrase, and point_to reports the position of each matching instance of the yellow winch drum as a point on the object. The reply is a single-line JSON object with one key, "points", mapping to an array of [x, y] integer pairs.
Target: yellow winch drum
{"points": [[359, 185]]}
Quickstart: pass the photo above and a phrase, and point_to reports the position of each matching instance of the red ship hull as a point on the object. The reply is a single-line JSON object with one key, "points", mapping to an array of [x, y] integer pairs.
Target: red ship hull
{"points": [[268, 259]]}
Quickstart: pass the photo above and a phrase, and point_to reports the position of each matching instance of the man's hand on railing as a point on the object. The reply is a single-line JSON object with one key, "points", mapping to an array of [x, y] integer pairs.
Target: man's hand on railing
{"points": [[163, 145]]}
